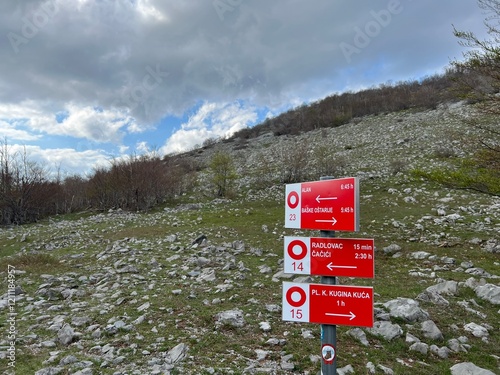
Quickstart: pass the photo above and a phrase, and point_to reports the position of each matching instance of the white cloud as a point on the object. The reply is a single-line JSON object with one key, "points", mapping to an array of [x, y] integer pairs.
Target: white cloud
{"points": [[12, 131], [148, 10], [142, 147], [93, 124], [88, 123], [212, 120], [184, 140], [66, 161], [123, 149]]}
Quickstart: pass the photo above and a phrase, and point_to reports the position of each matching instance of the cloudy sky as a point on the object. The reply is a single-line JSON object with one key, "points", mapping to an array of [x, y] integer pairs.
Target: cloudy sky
{"points": [[83, 81]]}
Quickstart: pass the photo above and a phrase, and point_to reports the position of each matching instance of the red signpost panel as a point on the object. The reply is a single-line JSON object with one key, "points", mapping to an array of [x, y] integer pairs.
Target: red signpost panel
{"points": [[323, 205], [328, 304], [325, 256]]}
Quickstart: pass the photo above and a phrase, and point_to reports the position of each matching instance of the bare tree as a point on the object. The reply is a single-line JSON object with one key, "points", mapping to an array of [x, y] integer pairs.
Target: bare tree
{"points": [[479, 82], [27, 193]]}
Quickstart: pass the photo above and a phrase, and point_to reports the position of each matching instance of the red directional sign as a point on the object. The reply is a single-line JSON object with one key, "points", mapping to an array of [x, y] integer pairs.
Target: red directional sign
{"points": [[328, 304], [323, 205], [349, 257]]}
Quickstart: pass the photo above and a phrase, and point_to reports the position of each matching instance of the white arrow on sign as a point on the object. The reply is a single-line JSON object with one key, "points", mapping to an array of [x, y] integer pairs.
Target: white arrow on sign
{"points": [[333, 221], [330, 266], [351, 315], [319, 199]]}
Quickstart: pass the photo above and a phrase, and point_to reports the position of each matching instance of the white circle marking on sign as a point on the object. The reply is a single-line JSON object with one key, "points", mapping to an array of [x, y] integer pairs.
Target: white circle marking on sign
{"points": [[297, 249], [293, 199], [296, 296]]}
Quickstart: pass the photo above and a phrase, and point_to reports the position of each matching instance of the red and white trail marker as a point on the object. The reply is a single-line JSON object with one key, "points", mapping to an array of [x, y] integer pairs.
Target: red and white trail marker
{"points": [[323, 205], [328, 304], [325, 256]]}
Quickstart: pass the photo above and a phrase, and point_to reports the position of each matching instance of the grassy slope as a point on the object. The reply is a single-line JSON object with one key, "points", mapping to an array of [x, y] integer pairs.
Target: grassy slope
{"points": [[228, 348], [189, 316]]}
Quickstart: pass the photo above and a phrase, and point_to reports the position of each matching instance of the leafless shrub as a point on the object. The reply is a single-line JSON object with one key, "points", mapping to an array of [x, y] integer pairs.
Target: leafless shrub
{"points": [[444, 152], [397, 166]]}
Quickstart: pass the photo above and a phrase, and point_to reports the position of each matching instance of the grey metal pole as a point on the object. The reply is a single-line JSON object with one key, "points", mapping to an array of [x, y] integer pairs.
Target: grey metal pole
{"points": [[328, 332]]}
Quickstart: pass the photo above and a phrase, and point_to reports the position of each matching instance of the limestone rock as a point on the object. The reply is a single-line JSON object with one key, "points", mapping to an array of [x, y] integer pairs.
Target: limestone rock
{"points": [[468, 368], [66, 334], [407, 309], [233, 318], [431, 331], [489, 292], [387, 330]]}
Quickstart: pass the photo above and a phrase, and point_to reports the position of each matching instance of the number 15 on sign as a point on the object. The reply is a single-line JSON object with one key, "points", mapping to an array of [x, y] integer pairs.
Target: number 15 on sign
{"points": [[295, 302]]}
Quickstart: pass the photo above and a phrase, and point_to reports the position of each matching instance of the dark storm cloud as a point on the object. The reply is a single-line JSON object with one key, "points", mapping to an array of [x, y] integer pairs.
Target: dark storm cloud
{"points": [[159, 57]]}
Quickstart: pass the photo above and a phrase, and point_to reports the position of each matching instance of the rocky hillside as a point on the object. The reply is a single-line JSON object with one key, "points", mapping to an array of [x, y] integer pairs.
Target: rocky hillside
{"points": [[196, 287], [376, 146]]}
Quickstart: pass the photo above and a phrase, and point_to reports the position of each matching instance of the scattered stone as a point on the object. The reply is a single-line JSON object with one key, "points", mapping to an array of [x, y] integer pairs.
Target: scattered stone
{"points": [[434, 297], [385, 370], [442, 352], [468, 368], [370, 367], [492, 246], [79, 321], [410, 339], [476, 330], [261, 354], [274, 341], [265, 326], [68, 360], [345, 370], [143, 307], [419, 347], [177, 353], [431, 331], [391, 249], [359, 335], [171, 238], [466, 265], [489, 292], [48, 344], [477, 271], [387, 330], [207, 275], [307, 334], [456, 346], [50, 371], [419, 255], [285, 362], [128, 269], [199, 240], [446, 287], [66, 334], [441, 212], [407, 309], [466, 306], [85, 371], [233, 318], [273, 308]]}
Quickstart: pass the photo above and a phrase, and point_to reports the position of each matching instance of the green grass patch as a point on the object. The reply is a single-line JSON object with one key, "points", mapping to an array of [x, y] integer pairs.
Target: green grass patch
{"points": [[34, 263]]}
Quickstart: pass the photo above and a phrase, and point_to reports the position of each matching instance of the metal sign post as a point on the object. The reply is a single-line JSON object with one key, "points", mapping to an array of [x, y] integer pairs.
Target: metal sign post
{"points": [[328, 332], [327, 206]]}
